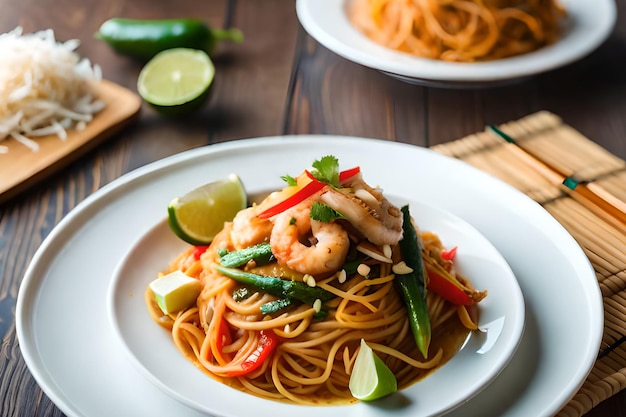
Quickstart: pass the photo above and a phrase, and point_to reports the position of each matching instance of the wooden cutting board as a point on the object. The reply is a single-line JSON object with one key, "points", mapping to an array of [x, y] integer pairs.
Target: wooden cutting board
{"points": [[21, 167]]}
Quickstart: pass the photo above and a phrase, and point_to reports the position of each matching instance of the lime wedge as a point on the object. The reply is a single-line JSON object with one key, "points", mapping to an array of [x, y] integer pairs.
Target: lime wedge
{"points": [[371, 379], [200, 214], [176, 81]]}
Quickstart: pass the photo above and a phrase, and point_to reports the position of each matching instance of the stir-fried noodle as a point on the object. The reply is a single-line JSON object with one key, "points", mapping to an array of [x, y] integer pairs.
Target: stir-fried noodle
{"points": [[315, 343], [459, 30]]}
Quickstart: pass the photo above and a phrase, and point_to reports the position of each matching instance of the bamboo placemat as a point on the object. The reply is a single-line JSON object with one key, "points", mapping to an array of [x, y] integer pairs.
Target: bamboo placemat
{"points": [[584, 187]]}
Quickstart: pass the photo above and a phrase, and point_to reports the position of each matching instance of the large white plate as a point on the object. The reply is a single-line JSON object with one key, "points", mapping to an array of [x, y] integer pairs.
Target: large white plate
{"points": [[588, 24], [70, 347], [482, 358]]}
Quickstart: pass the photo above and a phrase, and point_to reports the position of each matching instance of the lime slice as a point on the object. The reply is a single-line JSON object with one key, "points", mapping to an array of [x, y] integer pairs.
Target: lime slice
{"points": [[177, 80], [371, 379], [200, 214]]}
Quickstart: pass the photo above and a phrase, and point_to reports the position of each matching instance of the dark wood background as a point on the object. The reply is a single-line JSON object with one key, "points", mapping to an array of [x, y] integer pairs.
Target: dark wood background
{"points": [[278, 81]]}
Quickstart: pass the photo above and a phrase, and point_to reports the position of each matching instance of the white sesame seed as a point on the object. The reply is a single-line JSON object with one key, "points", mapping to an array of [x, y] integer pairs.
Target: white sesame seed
{"points": [[287, 328], [363, 270], [387, 251], [401, 268], [317, 305], [341, 277], [310, 280]]}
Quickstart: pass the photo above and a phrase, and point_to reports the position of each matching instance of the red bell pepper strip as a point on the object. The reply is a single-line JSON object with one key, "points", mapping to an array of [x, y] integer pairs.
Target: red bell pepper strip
{"points": [[198, 251], [447, 289], [268, 340], [343, 175], [305, 192], [300, 195], [222, 338], [448, 255], [348, 173]]}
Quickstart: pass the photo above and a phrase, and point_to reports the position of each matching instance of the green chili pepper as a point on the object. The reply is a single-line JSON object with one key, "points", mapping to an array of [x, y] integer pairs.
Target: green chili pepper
{"points": [[276, 305], [241, 294], [412, 285], [145, 38], [260, 253], [278, 287]]}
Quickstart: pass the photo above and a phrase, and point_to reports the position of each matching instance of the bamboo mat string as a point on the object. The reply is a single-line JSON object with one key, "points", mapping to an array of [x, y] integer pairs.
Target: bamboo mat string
{"points": [[583, 187]]}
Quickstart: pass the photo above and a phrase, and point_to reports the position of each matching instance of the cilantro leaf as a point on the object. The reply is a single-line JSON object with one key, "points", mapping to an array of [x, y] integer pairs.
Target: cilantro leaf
{"points": [[327, 170], [289, 180], [324, 213]]}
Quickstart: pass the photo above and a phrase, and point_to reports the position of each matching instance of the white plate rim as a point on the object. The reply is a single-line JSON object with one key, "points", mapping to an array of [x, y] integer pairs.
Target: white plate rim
{"points": [[63, 393], [590, 23]]}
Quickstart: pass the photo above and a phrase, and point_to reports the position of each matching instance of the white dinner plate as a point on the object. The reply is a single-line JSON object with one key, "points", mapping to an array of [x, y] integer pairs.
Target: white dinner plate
{"points": [[481, 359], [69, 344], [588, 24]]}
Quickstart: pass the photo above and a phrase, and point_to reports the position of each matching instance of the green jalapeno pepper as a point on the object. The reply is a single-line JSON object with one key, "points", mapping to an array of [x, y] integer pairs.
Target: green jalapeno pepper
{"points": [[145, 38], [412, 285]]}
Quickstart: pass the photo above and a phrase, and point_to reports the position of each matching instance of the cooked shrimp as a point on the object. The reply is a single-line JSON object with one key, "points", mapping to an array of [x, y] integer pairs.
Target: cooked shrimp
{"points": [[248, 229], [329, 243], [367, 210]]}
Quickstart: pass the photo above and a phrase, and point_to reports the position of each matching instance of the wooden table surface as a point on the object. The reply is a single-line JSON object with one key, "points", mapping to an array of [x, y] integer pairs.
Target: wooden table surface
{"points": [[278, 81]]}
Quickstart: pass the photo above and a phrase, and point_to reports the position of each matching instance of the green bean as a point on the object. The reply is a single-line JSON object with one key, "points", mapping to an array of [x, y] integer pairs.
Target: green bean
{"points": [[412, 286]]}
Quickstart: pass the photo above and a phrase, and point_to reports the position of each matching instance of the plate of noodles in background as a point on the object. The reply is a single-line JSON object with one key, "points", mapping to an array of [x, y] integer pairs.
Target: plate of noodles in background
{"points": [[90, 268], [461, 44], [484, 353]]}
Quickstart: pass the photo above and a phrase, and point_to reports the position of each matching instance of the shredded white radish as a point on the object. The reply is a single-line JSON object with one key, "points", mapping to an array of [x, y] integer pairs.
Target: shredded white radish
{"points": [[46, 88]]}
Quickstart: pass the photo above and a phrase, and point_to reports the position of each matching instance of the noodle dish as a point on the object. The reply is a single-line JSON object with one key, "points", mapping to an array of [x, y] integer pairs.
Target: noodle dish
{"points": [[283, 300], [459, 44], [325, 316]]}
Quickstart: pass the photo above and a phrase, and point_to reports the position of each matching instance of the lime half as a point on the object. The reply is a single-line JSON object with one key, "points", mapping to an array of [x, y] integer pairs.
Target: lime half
{"points": [[200, 214], [177, 80], [371, 379]]}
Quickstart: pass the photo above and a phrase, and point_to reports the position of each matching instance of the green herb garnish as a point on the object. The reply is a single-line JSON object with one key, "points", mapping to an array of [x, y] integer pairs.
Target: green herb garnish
{"points": [[326, 170], [324, 213]]}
